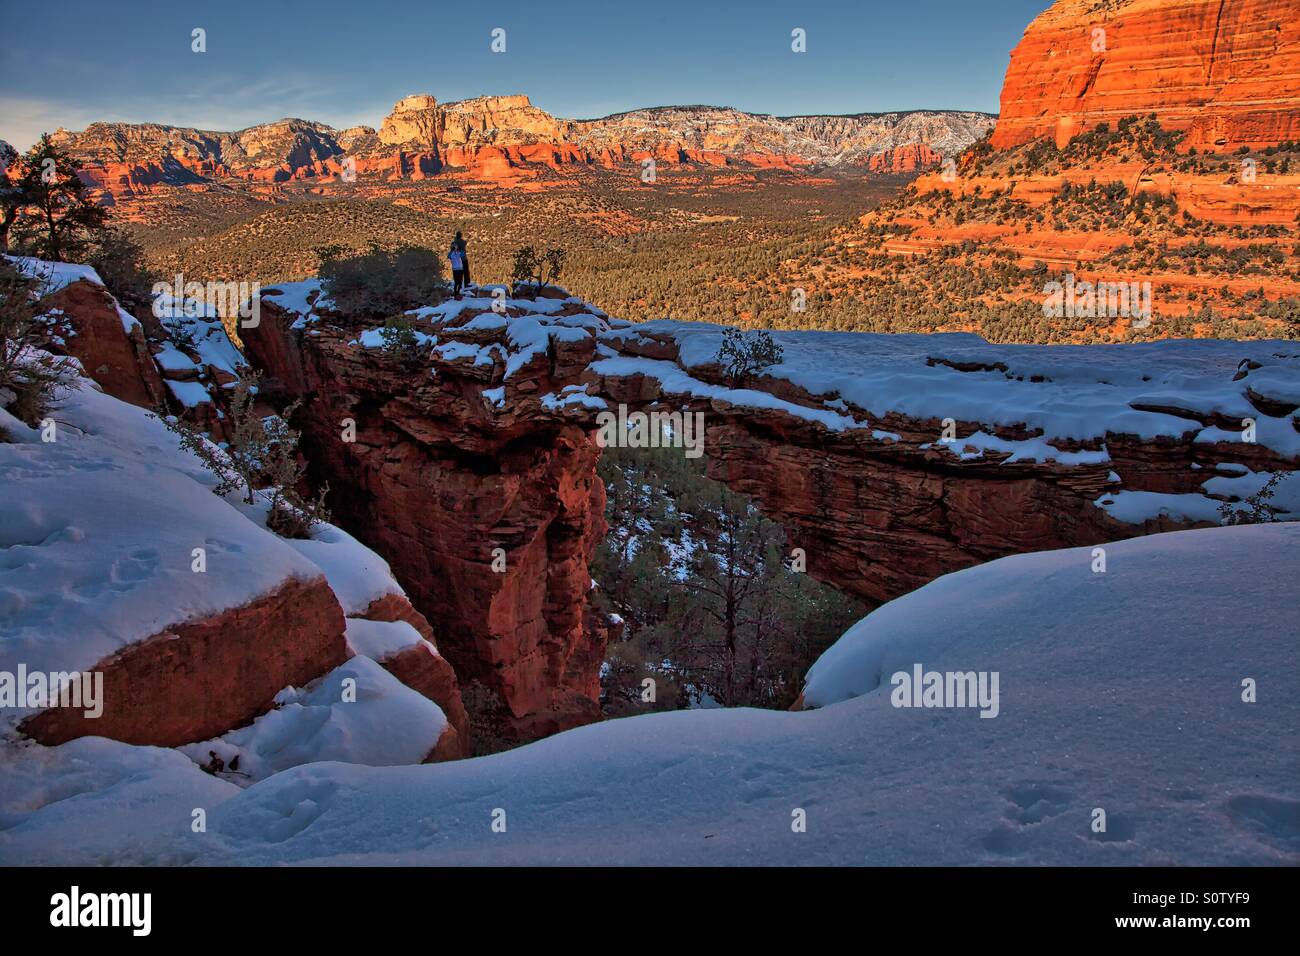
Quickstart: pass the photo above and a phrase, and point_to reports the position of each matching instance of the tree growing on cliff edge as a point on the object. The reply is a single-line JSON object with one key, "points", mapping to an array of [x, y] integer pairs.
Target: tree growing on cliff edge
{"points": [[10, 197], [710, 610], [55, 218], [1257, 509], [538, 269], [120, 261], [744, 354], [401, 341]]}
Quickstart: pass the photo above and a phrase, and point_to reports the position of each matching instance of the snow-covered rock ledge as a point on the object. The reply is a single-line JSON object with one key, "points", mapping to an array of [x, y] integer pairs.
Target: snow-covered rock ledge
{"points": [[891, 460]]}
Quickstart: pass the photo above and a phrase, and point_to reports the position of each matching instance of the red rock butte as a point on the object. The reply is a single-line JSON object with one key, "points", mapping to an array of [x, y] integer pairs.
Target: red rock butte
{"points": [[1226, 71]]}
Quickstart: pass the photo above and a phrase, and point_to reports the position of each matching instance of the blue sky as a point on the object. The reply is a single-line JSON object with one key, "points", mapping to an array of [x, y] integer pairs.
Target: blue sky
{"points": [[345, 62]]}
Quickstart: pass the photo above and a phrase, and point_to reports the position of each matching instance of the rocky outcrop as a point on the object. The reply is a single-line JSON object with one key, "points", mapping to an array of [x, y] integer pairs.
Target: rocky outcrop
{"points": [[488, 520], [882, 511], [423, 669], [504, 120], [109, 343], [196, 680], [1226, 71], [1186, 112], [904, 159]]}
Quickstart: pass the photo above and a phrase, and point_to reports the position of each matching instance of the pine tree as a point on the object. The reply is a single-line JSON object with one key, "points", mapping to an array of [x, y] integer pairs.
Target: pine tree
{"points": [[56, 218], [10, 195]]}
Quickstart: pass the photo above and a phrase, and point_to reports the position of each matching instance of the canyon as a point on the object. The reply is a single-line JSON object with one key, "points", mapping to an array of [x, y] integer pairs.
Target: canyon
{"points": [[469, 470], [485, 448], [191, 642]]}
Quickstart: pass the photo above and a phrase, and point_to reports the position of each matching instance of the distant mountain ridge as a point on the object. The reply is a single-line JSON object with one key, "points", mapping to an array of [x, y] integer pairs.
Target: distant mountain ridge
{"points": [[493, 135]]}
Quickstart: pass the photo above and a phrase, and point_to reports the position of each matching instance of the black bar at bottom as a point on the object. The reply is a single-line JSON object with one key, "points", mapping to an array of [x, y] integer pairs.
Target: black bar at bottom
{"points": [[257, 906]]}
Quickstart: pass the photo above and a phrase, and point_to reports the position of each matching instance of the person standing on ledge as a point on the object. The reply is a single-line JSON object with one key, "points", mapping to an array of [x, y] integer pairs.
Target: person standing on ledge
{"points": [[458, 245], [459, 265]]}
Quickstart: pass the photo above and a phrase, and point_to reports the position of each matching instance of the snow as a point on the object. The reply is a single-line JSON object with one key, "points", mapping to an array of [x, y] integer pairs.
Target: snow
{"points": [[297, 298], [675, 381], [97, 536], [189, 394], [201, 322], [358, 713], [1275, 383], [486, 321], [98, 530], [451, 351], [111, 429], [1119, 690], [577, 398], [356, 575], [1135, 507], [59, 275], [1242, 483], [1074, 393], [112, 802], [129, 321], [172, 359], [451, 309], [516, 335], [531, 335], [55, 275], [380, 640], [1033, 449], [374, 338]]}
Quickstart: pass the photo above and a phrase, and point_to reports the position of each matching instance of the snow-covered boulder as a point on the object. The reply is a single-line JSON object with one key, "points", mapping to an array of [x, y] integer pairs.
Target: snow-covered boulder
{"points": [[120, 561], [357, 713]]}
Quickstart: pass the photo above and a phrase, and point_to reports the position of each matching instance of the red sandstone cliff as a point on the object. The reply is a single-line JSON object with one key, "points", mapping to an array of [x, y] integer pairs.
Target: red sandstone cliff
{"points": [[488, 519], [1187, 110], [1226, 71]]}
